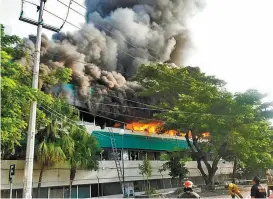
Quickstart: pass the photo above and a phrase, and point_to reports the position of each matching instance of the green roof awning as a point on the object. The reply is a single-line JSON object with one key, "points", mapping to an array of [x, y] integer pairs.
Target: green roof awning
{"points": [[131, 141]]}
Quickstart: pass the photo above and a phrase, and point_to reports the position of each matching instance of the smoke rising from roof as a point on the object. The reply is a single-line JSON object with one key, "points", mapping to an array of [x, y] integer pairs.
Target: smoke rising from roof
{"points": [[118, 37]]}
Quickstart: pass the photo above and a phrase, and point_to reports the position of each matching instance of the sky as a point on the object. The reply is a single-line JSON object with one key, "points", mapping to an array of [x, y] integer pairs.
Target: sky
{"points": [[232, 39]]}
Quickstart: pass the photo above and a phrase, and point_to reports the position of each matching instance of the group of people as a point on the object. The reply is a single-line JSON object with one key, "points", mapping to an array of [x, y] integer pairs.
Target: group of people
{"points": [[257, 190]]}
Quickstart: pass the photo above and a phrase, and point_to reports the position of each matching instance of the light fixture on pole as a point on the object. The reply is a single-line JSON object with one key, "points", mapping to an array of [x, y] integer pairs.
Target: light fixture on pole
{"points": [[122, 132]]}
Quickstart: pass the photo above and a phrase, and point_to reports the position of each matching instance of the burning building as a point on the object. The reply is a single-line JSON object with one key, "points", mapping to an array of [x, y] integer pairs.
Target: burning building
{"points": [[118, 36]]}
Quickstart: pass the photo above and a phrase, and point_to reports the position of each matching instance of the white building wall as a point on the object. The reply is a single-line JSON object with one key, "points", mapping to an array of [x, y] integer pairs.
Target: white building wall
{"points": [[59, 174]]}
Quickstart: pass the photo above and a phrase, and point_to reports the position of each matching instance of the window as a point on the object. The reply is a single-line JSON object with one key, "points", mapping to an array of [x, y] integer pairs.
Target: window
{"points": [[73, 192], [111, 188], [43, 192], [84, 191], [56, 192]]}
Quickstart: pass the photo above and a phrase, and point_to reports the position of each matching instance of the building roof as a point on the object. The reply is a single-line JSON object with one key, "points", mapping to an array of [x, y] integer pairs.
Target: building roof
{"points": [[131, 141]]}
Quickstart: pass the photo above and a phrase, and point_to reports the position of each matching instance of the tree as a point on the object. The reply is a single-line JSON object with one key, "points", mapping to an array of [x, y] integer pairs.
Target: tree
{"points": [[176, 165], [251, 144], [53, 146], [199, 103], [146, 171], [57, 139], [53, 141], [84, 154], [251, 148], [17, 93]]}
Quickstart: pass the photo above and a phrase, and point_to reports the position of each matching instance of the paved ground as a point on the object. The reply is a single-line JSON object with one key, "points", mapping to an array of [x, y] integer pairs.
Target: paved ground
{"points": [[245, 191]]}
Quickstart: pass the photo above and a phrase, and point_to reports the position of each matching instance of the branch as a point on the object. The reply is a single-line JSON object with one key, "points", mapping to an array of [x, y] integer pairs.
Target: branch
{"points": [[199, 166], [188, 142], [195, 143]]}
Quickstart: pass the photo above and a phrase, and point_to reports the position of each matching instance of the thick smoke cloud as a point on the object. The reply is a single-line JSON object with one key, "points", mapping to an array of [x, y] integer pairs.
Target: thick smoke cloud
{"points": [[119, 36]]}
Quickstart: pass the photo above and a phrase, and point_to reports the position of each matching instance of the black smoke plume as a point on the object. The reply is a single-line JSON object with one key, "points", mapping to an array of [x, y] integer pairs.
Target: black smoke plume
{"points": [[119, 36]]}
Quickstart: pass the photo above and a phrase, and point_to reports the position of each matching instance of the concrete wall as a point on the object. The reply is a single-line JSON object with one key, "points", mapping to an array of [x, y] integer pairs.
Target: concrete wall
{"points": [[59, 174]]}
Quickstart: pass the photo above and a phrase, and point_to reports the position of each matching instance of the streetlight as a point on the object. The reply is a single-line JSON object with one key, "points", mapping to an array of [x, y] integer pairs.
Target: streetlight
{"points": [[122, 132]]}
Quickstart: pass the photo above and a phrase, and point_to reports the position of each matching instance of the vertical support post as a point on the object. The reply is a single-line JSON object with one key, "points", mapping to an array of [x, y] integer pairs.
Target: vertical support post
{"points": [[123, 162], [10, 190], [90, 190], [27, 190], [98, 186]]}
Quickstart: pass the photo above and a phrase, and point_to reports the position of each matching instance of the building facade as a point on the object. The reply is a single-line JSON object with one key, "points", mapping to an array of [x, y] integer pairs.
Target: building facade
{"points": [[105, 181]]}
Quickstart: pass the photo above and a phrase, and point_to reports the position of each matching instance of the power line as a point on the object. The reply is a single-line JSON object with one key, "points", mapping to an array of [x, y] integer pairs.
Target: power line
{"points": [[117, 48], [68, 9], [60, 116], [170, 109], [125, 115], [74, 123], [133, 107], [141, 60]]}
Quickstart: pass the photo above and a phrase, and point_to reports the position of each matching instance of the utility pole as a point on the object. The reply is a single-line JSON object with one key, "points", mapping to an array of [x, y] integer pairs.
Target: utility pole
{"points": [[27, 189]]}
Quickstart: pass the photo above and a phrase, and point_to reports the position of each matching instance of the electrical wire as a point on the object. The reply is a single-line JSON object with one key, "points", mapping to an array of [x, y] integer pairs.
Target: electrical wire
{"points": [[61, 116], [111, 32], [139, 59], [187, 112], [96, 23], [74, 123], [127, 115], [31, 3], [133, 107], [117, 48], [68, 9]]}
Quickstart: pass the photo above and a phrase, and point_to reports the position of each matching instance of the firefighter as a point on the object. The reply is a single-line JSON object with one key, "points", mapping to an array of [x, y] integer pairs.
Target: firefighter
{"points": [[269, 178], [188, 191], [233, 189]]}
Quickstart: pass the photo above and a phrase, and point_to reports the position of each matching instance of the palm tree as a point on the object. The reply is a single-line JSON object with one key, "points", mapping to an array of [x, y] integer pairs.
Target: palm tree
{"points": [[54, 146], [84, 154]]}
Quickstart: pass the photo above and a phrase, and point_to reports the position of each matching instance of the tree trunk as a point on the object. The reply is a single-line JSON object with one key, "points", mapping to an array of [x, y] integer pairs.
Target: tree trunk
{"points": [[199, 154], [40, 181], [163, 182], [72, 177], [204, 175], [148, 184], [234, 171]]}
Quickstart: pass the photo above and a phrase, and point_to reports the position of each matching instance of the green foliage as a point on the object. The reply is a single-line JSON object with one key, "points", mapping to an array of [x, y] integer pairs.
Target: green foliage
{"points": [[16, 96], [8, 44], [145, 168], [58, 139], [49, 77], [16, 91], [252, 146], [151, 191], [199, 103], [146, 171], [85, 150], [176, 165]]}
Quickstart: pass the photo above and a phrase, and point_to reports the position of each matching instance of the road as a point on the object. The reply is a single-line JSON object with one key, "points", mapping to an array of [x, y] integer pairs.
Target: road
{"points": [[245, 191]]}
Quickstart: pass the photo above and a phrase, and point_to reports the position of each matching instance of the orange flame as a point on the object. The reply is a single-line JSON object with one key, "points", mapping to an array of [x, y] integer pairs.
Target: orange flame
{"points": [[154, 128], [150, 128], [117, 125]]}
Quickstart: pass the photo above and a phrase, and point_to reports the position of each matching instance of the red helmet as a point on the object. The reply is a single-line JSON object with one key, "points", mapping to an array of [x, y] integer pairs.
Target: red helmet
{"points": [[188, 184]]}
